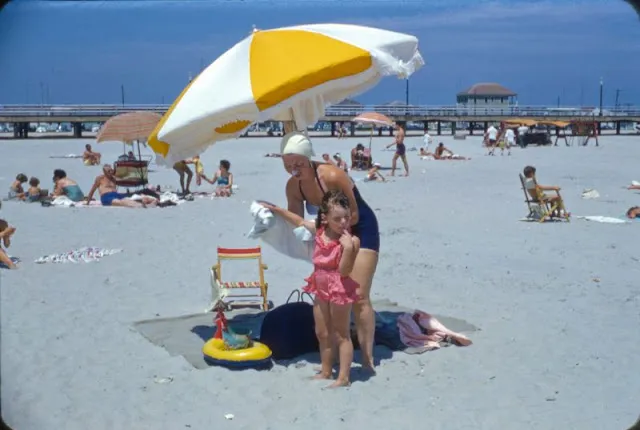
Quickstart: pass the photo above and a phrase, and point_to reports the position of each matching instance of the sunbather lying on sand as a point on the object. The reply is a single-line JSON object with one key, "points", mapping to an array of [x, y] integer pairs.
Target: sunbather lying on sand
{"points": [[633, 187], [109, 196], [6, 231], [273, 154], [444, 153], [374, 174], [633, 212]]}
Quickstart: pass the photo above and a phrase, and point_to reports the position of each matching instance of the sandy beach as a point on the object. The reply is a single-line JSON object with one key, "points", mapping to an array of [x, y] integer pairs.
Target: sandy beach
{"points": [[556, 303]]}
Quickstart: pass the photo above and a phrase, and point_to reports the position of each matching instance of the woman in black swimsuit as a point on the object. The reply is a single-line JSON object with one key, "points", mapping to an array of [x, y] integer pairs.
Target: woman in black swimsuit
{"points": [[308, 183]]}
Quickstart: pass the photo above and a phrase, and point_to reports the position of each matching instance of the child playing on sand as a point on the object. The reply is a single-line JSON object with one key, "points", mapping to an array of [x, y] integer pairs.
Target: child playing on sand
{"points": [[15, 190], [6, 231], [374, 174], [334, 255], [536, 192], [224, 179], [197, 164], [33, 193]]}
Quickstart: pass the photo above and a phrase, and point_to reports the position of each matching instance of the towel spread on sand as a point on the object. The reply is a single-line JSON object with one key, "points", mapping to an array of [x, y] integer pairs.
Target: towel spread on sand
{"points": [[66, 156], [86, 255], [66, 202], [185, 335], [603, 219], [279, 234], [15, 260], [589, 194], [422, 330]]}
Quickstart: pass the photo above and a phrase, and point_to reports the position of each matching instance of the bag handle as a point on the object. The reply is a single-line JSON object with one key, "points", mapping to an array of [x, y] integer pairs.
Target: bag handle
{"points": [[291, 295], [309, 295]]}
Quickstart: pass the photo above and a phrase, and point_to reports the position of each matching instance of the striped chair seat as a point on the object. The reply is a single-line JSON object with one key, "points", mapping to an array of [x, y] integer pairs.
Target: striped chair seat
{"points": [[250, 284]]}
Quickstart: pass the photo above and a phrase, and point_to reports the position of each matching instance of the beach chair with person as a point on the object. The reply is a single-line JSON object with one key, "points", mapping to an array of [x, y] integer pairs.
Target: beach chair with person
{"points": [[542, 206]]}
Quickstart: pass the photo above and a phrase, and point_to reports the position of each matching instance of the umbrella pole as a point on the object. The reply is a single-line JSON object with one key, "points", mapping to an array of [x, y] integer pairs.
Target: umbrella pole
{"points": [[289, 126], [371, 137]]}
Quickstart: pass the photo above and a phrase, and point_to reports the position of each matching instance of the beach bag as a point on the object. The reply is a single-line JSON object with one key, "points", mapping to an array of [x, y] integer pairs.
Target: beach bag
{"points": [[289, 330]]}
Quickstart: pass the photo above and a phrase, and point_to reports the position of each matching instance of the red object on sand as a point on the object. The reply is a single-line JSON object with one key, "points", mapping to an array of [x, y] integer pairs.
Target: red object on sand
{"points": [[221, 324]]}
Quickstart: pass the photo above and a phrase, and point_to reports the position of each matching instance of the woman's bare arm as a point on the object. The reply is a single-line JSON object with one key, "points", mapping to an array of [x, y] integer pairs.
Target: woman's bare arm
{"points": [[336, 179]]}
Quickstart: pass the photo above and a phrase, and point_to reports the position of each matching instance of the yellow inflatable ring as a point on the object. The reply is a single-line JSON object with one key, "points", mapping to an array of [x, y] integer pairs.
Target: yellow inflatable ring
{"points": [[259, 355]]}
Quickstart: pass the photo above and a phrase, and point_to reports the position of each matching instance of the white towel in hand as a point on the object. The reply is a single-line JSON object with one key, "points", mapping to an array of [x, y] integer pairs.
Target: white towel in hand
{"points": [[279, 234]]}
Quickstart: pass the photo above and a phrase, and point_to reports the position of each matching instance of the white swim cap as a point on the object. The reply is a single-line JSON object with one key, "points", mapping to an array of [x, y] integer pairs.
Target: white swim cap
{"points": [[296, 143]]}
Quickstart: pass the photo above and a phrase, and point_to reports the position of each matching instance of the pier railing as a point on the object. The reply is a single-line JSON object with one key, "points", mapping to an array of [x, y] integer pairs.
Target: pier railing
{"points": [[337, 111]]}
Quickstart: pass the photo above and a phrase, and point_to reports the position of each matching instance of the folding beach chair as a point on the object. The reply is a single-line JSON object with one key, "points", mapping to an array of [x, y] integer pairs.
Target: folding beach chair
{"points": [[540, 208], [225, 291], [131, 173]]}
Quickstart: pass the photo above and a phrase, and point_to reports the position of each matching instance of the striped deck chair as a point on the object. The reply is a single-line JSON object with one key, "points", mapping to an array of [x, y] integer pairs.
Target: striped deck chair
{"points": [[244, 293]]}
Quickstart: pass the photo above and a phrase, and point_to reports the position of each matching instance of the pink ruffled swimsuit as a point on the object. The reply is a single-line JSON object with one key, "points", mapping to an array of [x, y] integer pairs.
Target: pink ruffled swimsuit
{"points": [[325, 281]]}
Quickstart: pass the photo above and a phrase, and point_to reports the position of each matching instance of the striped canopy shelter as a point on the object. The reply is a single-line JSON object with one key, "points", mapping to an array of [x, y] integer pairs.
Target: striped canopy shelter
{"points": [[129, 127]]}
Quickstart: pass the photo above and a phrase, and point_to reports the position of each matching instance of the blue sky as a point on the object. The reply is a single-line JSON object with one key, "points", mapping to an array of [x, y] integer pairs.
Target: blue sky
{"points": [[82, 52]]}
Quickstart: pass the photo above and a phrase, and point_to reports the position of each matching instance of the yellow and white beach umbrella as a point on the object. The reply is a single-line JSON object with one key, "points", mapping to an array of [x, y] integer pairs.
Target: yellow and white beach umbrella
{"points": [[285, 74]]}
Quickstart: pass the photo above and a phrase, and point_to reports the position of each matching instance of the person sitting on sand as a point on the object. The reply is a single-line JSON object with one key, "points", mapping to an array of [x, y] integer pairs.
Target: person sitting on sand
{"points": [[224, 179], [33, 193], [327, 159], [633, 212], [374, 174], [536, 191], [89, 157], [109, 196], [6, 231], [66, 187], [183, 169], [338, 161], [444, 153], [16, 191], [359, 159]]}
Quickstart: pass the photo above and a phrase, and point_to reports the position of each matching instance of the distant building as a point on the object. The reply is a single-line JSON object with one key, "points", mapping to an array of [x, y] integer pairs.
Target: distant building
{"points": [[487, 96]]}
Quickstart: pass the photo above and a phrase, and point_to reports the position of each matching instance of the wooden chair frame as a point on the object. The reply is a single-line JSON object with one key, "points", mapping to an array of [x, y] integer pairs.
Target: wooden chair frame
{"points": [[539, 208], [221, 290]]}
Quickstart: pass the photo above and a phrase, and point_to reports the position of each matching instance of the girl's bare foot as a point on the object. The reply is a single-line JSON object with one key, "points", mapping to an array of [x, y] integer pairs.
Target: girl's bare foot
{"points": [[339, 383], [321, 375]]}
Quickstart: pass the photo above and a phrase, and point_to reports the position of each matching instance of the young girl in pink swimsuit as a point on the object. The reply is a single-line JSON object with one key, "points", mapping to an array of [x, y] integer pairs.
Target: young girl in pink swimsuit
{"points": [[334, 254]]}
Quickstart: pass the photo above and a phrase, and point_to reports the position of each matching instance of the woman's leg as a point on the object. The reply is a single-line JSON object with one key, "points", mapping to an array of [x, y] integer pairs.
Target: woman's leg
{"points": [[322, 319], [340, 330], [363, 271]]}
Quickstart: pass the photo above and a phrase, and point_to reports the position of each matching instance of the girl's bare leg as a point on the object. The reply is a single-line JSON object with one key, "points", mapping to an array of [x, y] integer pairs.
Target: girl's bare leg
{"points": [[322, 317], [340, 328]]}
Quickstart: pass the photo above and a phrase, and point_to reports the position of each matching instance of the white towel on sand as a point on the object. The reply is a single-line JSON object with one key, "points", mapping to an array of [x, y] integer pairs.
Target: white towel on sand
{"points": [[603, 219], [280, 235]]}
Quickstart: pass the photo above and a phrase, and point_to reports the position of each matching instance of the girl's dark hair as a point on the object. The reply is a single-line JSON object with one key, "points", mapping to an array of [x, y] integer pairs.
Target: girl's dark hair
{"points": [[331, 198], [3, 225], [34, 182], [59, 174], [21, 177], [225, 164]]}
